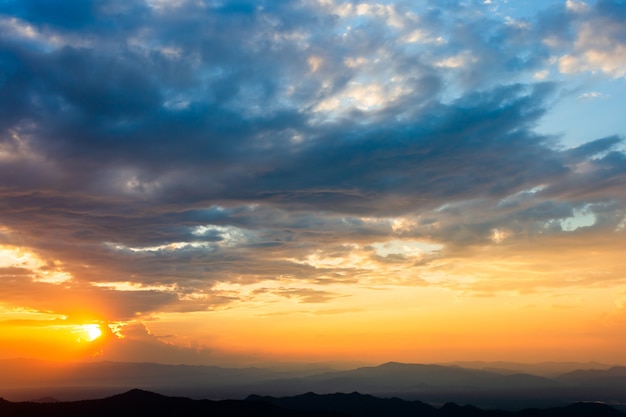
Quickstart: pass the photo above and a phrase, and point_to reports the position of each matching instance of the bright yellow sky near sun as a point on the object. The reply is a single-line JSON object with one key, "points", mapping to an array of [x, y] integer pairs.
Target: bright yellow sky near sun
{"points": [[417, 325], [49, 339], [490, 305]]}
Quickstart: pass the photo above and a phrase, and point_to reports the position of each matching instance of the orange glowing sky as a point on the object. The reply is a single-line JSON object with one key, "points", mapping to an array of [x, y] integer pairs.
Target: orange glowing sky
{"points": [[312, 181]]}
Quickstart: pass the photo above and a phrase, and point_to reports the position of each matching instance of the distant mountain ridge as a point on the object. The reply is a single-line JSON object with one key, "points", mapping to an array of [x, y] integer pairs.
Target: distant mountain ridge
{"points": [[434, 384], [545, 369], [146, 403], [585, 374], [401, 376]]}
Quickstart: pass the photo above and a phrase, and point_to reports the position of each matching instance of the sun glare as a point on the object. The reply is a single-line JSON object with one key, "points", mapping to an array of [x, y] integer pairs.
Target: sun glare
{"points": [[91, 331]]}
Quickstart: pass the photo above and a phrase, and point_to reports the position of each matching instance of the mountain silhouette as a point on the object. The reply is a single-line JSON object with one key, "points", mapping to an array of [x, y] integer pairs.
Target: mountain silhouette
{"points": [[611, 375], [138, 402], [433, 384], [354, 404], [359, 405], [395, 376]]}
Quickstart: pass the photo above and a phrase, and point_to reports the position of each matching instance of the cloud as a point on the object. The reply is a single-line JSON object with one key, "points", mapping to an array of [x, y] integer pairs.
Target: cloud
{"points": [[307, 295], [590, 96], [600, 40], [158, 150], [137, 341], [576, 6]]}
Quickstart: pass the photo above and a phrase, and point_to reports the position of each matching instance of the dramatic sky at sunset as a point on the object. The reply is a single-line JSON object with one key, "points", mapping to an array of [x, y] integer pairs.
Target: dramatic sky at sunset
{"points": [[239, 182]]}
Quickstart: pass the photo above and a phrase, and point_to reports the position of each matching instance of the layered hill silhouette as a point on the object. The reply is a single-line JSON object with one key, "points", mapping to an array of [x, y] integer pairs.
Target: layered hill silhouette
{"points": [[359, 405], [434, 384], [144, 403]]}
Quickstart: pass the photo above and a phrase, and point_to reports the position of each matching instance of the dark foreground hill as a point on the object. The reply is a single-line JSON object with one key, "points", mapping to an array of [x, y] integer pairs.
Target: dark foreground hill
{"points": [[359, 405], [144, 403]]}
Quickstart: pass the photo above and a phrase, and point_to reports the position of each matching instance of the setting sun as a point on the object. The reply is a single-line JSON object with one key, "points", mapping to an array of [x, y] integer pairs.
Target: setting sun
{"points": [[90, 331]]}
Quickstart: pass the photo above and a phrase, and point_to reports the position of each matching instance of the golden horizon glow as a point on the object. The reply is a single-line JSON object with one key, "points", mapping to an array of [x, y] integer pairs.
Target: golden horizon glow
{"points": [[55, 340], [490, 303]]}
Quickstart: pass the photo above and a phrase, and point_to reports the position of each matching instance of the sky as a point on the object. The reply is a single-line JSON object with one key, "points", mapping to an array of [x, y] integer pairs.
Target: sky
{"points": [[249, 182]]}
